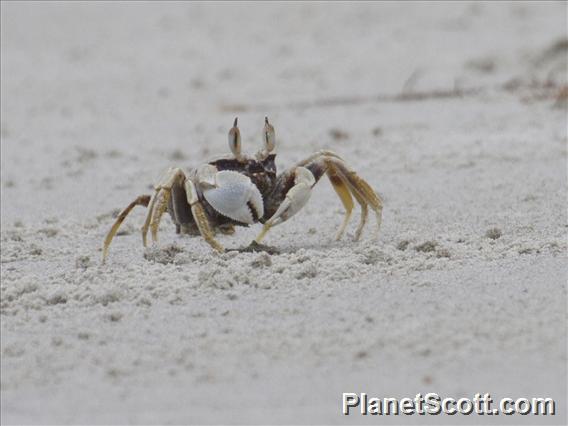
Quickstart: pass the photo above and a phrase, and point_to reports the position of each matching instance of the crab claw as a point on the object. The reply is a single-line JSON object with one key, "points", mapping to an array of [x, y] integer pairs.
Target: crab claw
{"points": [[235, 196]]}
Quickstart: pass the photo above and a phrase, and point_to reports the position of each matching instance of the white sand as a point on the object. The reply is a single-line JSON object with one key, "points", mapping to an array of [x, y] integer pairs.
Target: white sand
{"points": [[98, 99]]}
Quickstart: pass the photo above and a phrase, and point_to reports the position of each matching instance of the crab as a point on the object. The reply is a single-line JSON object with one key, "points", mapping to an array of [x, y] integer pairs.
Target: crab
{"points": [[240, 190]]}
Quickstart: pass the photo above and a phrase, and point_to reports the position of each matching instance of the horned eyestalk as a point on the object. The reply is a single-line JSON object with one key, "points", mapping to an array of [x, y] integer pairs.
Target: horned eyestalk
{"points": [[268, 136], [235, 140]]}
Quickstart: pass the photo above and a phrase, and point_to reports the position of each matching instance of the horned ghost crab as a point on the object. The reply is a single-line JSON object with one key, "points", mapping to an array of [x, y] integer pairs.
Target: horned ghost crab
{"points": [[240, 190]]}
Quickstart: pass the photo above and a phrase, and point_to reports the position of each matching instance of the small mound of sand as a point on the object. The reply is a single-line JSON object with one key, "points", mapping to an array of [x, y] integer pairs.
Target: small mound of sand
{"points": [[165, 255], [493, 233]]}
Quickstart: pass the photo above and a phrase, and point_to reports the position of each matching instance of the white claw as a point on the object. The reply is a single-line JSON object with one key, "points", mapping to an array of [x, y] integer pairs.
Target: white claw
{"points": [[234, 195], [296, 198]]}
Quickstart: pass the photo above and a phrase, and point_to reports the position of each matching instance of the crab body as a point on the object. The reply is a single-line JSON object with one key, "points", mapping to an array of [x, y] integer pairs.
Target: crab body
{"points": [[240, 190], [262, 174]]}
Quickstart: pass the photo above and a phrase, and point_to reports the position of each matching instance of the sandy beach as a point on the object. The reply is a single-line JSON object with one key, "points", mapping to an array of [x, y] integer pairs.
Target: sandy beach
{"points": [[455, 113]]}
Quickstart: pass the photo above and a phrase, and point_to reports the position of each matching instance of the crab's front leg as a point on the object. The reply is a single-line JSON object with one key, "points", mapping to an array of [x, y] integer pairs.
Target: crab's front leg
{"points": [[200, 216], [296, 198], [345, 181], [231, 194], [172, 179]]}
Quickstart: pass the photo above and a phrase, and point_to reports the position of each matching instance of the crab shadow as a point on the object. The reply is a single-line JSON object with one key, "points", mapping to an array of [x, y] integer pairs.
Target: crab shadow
{"points": [[254, 247]]}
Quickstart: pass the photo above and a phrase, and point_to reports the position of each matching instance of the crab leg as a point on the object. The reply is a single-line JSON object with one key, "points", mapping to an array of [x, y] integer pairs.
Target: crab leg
{"points": [[142, 200], [296, 198], [161, 197], [161, 206], [342, 190], [317, 155], [364, 208], [200, 217], [344, 179], [363, 220], [146, 224], [363, 192], [346, 183]]}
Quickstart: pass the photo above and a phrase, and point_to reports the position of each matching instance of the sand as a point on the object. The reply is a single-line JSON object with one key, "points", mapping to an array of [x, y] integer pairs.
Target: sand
{"points": [[454, 113]]}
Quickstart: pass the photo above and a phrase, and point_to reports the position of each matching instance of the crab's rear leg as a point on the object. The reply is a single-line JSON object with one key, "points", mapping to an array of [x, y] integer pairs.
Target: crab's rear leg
{"points": [[159, 202], [142, 200], [341, 188], [362, 192], [341, 185], [344, 178]]}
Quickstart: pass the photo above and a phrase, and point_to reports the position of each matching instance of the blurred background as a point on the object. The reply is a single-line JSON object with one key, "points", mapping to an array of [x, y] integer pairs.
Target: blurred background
{"points": [[144, 77]]}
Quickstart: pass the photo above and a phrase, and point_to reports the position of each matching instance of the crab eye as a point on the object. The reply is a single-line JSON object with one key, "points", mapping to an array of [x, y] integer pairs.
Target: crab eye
{"points": [[269, 136], [235, 140]]}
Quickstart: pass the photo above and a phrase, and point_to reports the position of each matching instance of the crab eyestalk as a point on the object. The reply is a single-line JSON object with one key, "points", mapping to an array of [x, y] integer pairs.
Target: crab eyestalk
{"points": [[235, 141], [268, 136]]}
